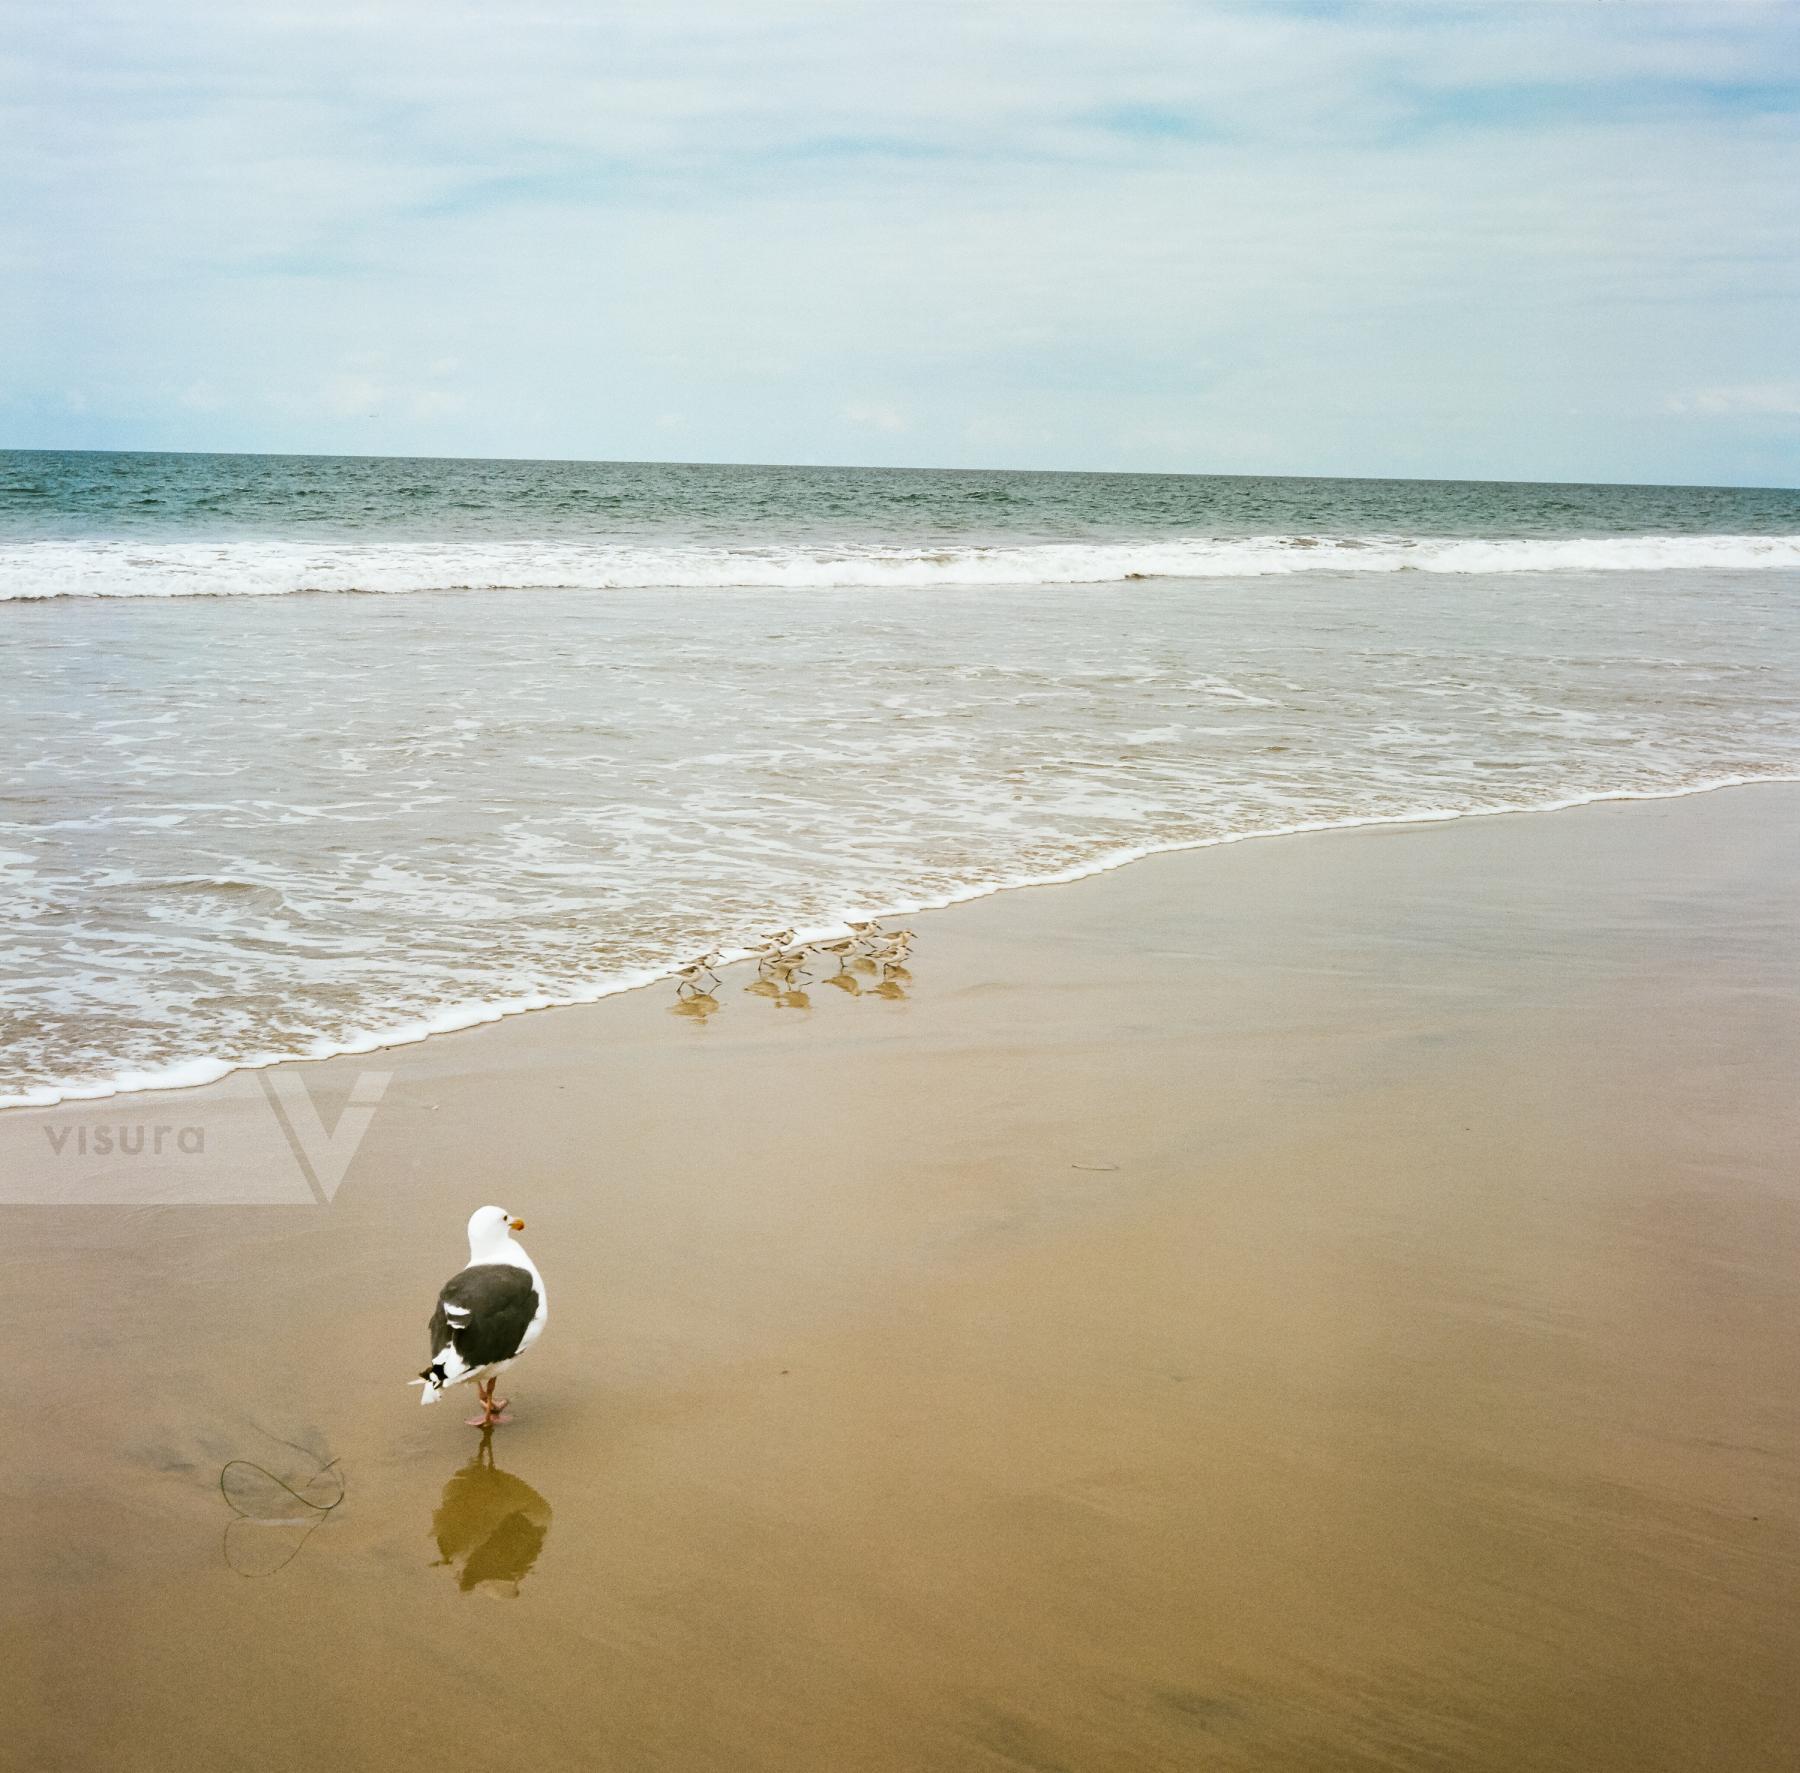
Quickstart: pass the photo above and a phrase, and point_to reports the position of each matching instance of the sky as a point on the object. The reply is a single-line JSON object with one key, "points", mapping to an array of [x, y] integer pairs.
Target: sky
{"points": [[1543, 239]]}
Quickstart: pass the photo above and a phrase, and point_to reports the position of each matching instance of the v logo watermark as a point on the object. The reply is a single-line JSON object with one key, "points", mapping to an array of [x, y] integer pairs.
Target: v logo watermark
{"points": [[323, 1156], [255, 1138]]}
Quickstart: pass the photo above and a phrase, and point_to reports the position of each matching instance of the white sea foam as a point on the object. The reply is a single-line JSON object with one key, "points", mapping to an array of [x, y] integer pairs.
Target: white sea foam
{"points": [[281, 829], [49, 569], [192, 1073]]}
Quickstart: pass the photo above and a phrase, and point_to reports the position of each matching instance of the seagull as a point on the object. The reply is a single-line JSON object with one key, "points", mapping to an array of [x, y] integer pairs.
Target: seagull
{"points": [[486, 1316]]}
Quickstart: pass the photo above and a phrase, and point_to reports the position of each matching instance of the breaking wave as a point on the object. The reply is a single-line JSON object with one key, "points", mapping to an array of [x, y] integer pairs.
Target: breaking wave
{"points": [[35, 570]]}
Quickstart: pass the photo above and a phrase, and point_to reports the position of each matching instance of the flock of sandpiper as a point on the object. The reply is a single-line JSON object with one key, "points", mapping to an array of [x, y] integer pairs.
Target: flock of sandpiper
{"points": [[870, 960]]}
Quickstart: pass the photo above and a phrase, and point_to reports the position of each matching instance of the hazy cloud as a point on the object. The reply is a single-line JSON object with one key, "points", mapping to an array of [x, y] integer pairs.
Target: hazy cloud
{"points": [[875, 415], [1403, 238], [1772, 399]]}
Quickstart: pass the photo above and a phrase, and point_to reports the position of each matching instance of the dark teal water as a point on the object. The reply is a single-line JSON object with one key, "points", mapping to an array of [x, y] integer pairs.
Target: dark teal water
{"points": [[50, 494]]}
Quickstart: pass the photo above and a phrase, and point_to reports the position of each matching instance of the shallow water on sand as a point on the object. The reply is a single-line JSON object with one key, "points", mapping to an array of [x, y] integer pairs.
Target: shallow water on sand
{"points": [[236, 827]]}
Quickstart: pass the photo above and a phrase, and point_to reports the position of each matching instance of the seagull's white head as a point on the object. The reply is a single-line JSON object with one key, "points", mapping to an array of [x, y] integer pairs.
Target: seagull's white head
{"points": [[490, 1228]]}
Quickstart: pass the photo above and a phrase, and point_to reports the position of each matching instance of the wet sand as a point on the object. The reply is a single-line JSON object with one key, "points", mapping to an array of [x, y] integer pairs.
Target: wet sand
{"points": [[1325, 1303]]}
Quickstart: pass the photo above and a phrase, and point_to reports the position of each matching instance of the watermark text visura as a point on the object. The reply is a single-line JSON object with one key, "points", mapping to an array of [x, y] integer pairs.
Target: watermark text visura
{"points": [[127, 1139], [255, 1138]]}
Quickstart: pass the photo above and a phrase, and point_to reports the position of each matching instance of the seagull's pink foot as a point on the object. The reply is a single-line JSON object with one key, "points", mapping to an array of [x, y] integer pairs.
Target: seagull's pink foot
{"points": [[491, 1406]]}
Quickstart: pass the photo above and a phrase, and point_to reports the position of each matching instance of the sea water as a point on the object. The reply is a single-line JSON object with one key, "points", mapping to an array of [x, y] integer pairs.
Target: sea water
{"points": [[304, 755]]}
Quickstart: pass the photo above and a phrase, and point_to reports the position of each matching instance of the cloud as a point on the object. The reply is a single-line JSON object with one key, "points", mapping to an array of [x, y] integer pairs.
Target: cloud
{"points": [[351, 396], [435, 403], [1381, 238], [366, 388], [200, 397], [1770, 399], [875, 415]]}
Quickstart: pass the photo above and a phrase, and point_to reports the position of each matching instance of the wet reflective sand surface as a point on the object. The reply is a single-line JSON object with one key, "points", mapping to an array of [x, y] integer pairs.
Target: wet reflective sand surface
{"points": [[1329, 1303]]}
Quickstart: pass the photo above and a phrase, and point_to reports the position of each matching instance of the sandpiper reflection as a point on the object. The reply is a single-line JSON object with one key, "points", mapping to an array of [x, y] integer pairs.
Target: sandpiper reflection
{"points": [[696, 1006], [490, 1526]]}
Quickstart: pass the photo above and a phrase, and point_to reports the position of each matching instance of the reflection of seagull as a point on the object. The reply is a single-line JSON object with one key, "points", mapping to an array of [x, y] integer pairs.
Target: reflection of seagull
{"points": [[490, 1522], [486, 1317]]}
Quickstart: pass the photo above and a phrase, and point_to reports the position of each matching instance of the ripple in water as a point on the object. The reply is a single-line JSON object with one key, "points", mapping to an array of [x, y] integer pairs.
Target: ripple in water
{"points": [[235, 829]]}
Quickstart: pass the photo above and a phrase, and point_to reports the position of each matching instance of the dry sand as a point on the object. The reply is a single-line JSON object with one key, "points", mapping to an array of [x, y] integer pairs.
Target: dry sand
{"points": [[1324, 1303]]}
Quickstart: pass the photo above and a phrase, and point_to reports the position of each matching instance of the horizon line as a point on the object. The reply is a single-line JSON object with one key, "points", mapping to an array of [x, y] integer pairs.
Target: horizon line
{"points": [[905, 468]]}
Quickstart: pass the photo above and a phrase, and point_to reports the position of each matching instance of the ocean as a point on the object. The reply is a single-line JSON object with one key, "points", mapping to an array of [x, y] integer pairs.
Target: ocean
{"points": [[309, 755]]}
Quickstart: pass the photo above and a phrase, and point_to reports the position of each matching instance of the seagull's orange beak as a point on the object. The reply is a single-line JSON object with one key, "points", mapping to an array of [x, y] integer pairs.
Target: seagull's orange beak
{"points": [[516, 1224]]}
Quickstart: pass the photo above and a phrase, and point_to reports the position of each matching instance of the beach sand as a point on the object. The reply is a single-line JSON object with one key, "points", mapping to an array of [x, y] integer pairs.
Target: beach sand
{"points": [[1330, 1302]]}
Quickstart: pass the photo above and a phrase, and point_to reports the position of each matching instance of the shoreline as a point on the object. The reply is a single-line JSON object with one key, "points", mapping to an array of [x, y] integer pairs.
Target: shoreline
{"points": [[199, 1073], [1317, 1305]]}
